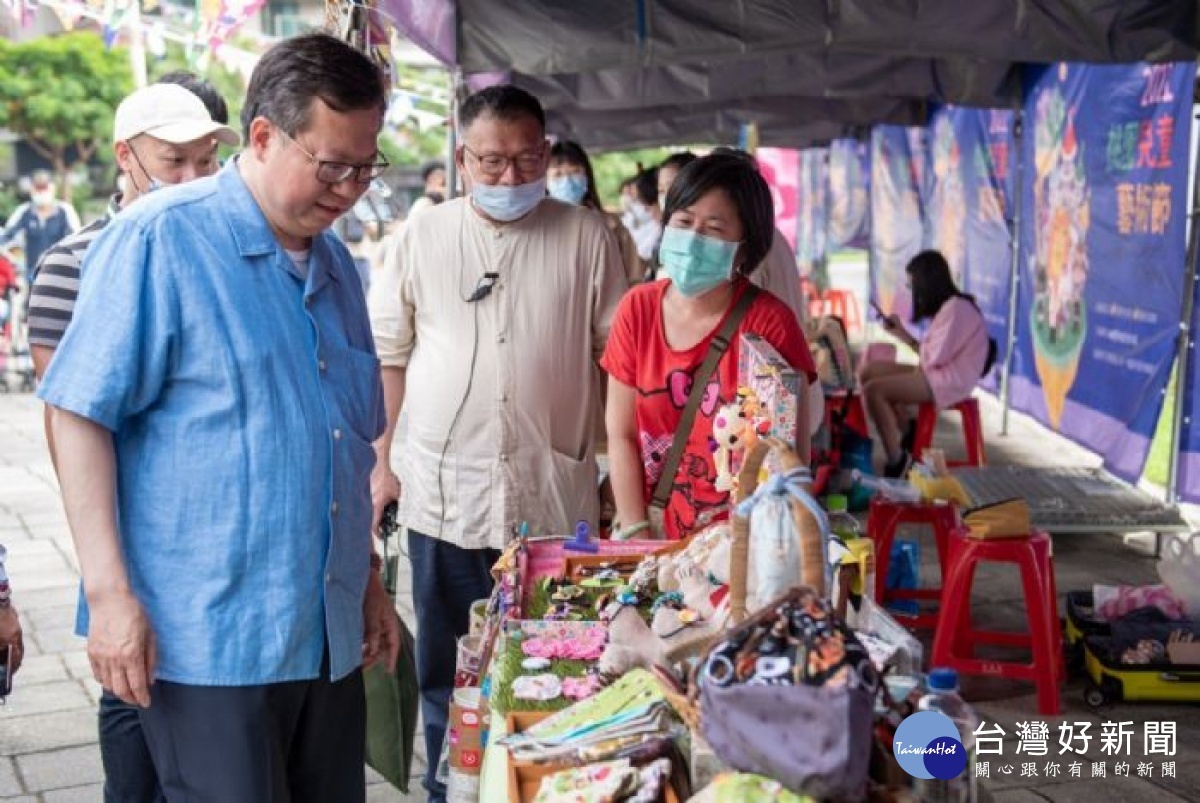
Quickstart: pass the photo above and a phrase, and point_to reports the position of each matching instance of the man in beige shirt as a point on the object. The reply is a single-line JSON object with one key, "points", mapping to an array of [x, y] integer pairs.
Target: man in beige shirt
{"points": [[493, 309]]}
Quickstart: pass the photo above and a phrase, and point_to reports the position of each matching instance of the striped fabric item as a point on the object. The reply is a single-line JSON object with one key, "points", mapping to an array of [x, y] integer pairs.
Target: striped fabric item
{"points": [[56, 288]]}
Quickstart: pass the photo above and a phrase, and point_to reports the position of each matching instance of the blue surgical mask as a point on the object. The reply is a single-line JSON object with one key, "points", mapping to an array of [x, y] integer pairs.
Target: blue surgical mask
{"points": [[507, 204], [694, 262], [571, 189]]}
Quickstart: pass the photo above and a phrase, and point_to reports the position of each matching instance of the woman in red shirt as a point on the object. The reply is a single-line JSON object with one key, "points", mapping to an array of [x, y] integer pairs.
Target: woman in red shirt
{"points": [[718, 224]]}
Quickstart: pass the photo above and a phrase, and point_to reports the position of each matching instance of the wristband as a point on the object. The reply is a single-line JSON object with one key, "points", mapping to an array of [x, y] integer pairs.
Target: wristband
{"points": [[625, 533]]}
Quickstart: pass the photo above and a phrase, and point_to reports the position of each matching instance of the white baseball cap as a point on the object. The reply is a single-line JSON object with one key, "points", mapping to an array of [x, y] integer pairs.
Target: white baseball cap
{"points": [[170, 113]]}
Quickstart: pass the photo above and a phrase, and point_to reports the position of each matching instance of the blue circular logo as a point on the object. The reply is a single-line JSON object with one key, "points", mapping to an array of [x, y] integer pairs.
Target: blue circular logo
{"points": [[927, 745]]}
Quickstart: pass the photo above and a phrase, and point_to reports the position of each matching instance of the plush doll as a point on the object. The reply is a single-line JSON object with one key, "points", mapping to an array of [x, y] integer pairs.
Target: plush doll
{"points": [[729, 429]]}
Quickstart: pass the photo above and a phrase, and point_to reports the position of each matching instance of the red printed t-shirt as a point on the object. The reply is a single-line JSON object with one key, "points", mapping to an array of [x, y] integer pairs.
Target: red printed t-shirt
{"points": [[637, 355]]}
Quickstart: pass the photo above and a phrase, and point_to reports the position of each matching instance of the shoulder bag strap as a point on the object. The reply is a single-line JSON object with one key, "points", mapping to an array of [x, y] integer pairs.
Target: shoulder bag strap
{"points": [[717, 348]]}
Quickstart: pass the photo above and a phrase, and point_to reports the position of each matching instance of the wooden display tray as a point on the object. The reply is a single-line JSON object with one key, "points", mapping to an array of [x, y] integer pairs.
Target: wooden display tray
{"points": [[573, 562], [524, 779]]}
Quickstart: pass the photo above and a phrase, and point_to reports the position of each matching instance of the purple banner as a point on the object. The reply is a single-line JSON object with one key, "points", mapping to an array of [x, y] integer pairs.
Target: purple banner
{"points": [[811, 249], [969, 210], [897, 175], [429, 24], [849, 194], [1102, 251]]}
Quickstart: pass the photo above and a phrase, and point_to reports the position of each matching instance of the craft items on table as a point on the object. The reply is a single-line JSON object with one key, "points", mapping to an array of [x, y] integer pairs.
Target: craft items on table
{"points": [[609, 724], [544, 665], [606, 782], [792, 676], [772, 390]]}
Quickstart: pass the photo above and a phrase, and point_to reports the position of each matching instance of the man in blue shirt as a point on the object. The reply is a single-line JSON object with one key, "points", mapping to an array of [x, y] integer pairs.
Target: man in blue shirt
{"points": [[216, 396]]}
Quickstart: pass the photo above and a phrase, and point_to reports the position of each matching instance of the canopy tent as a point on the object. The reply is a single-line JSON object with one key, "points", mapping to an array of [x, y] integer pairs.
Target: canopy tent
{"points": [[684, 70]]}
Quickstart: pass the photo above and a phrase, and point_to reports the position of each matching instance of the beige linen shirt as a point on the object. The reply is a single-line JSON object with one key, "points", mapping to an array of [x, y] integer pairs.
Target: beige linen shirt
{"points": [[501, 394]]}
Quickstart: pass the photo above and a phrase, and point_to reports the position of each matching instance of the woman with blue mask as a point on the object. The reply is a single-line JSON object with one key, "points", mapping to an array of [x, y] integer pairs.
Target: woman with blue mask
{"points": [[718, 224], [570, 179]]}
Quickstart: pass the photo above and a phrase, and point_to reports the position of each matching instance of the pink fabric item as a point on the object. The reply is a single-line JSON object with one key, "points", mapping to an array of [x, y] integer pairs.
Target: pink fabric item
{"points": [[1113, 602], [580, 688], [954, 351]]}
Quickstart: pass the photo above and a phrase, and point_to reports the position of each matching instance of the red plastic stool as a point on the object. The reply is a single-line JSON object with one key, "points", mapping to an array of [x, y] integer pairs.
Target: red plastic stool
{"points": [[972, 429], [952, 643], [884, 519], [843, 304]]}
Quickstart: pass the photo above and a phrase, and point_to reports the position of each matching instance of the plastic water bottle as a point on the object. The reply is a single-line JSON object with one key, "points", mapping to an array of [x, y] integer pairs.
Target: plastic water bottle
{"points": [[942, 696], [841, 522]]}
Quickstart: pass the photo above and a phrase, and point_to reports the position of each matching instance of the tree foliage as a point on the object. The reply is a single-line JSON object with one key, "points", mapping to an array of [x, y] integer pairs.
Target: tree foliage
{"points": [[59, 94]]}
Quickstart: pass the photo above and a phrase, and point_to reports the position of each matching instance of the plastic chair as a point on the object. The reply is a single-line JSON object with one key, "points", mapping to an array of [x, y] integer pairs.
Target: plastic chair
{"points": [[955, 636], [972, 429], [884, 519], [843, 304]]}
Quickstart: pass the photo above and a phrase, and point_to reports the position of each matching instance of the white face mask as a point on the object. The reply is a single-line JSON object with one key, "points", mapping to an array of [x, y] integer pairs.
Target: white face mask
{"points": [[42, 197]]}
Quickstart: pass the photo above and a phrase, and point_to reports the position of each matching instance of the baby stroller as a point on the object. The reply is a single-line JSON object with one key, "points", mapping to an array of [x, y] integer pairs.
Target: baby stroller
{"points": [[16, 365]]}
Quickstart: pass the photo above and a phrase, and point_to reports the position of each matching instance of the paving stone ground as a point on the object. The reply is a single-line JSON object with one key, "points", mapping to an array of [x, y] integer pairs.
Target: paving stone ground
{"points": [[48, 749]]}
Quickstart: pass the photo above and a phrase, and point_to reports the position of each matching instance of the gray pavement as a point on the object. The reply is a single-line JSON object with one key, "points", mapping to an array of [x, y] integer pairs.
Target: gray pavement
{"points": [[48, 743], [48, 750]]}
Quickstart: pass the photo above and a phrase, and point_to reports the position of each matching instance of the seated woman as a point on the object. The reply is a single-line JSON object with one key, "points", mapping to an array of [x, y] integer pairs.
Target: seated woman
{"points": [[570, 179], [955, 353], [719, 222]]}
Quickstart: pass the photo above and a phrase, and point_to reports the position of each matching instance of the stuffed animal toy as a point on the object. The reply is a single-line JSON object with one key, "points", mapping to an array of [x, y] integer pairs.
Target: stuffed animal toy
{"points": [[729, 430]]}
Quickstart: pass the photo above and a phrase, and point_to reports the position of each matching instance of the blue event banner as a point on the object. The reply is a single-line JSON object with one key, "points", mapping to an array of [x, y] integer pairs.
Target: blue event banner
{"points": [[849, 197], [1102, 239], [812, 251], [969, 209], [897, 201]]}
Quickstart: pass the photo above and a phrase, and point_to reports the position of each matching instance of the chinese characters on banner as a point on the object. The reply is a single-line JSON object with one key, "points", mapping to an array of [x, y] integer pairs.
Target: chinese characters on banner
{"points": [[1069, 750], [1102, 251]]}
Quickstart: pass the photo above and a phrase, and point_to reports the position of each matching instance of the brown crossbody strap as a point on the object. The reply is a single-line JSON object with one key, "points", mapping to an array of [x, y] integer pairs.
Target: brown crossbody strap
{"points": [[717, 348]]}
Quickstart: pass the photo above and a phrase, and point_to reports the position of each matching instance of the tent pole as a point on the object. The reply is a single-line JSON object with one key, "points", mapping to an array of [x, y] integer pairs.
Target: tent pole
{"points": [[1185, 336], [1015, 277], [452, 134]]}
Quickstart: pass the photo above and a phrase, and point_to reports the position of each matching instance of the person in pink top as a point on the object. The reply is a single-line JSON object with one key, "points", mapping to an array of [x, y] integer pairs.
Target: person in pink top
{"points": [[955, 353]]}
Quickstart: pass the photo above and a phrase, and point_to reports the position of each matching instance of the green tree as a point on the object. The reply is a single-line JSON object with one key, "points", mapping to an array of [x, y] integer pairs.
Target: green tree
{"points": [[59, 94]]}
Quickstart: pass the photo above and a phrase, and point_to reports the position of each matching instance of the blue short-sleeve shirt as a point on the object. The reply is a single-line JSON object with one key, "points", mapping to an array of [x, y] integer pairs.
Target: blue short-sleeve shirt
{"points": [[243, 402]]}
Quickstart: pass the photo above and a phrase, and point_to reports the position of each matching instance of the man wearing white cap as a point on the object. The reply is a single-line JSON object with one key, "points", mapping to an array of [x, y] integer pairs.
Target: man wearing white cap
{"points": [[162, 135]]}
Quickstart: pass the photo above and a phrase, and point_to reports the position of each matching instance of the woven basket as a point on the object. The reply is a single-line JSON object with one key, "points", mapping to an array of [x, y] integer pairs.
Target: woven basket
{"points": [[812, 557]]}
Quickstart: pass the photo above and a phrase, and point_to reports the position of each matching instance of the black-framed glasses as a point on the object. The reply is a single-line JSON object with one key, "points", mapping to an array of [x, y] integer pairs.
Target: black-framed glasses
{"points": [[337, 172], [493, 165]]}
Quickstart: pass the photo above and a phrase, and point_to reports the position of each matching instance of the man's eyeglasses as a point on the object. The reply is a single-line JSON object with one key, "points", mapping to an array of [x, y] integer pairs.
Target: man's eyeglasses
{"points": [[493, 165], [337, 172]]}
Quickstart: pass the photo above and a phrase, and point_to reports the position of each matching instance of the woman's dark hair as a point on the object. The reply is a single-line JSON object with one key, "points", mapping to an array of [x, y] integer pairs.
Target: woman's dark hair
{"points": [[678, 161], [202, 89], [504, 102], [571, 153], [932, 284], [646, 186], [316, 65], [738, 177]]}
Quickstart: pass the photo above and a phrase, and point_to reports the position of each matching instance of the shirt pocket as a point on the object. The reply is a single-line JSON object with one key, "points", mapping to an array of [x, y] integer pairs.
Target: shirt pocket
{"points": [[353, 383]]}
